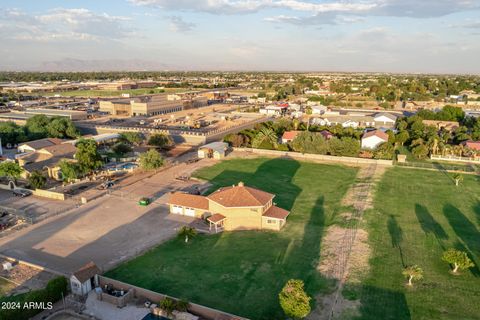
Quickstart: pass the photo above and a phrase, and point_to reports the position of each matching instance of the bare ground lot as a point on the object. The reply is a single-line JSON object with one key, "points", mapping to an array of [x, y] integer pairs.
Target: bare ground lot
{"points": [[107, 231]]}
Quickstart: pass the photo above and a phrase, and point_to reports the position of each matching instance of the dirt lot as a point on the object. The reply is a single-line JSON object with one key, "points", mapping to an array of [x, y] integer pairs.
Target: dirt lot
{"points": [[108, 230]]}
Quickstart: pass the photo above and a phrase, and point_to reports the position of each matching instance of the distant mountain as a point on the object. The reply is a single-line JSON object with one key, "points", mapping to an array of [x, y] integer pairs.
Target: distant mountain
{"points": [[72, 65]]}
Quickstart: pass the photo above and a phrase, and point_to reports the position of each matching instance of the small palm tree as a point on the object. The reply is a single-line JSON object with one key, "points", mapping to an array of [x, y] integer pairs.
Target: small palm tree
{"points": [[265, 134], [457, 177], [187, 233], [412, 273]]}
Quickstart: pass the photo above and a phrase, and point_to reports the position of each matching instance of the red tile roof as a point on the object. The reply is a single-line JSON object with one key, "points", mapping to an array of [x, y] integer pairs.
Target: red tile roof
{"points": [[378, 133], [276, 212], [217, 217], [475, 145], [241, 196], [290, 135], [188, 200]]}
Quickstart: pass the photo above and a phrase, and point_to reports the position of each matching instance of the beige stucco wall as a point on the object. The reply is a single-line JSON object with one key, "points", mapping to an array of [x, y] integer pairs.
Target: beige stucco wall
{"points": [[238, 218]]}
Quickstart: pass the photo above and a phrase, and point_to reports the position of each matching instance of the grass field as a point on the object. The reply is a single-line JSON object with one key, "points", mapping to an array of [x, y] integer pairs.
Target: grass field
{"points": [[417, 215], [5, 286], [242, 272], [113, 93]]}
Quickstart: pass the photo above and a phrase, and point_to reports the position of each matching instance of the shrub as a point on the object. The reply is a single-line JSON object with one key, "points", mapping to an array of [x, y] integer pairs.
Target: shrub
{"points": [[293, 299], [167, 305], [182, 305]]}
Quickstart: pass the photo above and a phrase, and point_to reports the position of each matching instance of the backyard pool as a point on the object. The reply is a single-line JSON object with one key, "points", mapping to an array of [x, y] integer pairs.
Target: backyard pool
{"points": [[151, 316]]}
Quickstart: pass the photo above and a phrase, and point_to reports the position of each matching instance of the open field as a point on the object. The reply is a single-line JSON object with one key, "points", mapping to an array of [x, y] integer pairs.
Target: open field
{"points": [[417, 215], [113, 93], [242, 272]]}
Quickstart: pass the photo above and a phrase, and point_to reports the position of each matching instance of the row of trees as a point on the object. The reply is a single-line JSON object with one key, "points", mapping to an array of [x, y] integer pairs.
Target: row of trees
{"points": [[38, 127], [458, 259]]}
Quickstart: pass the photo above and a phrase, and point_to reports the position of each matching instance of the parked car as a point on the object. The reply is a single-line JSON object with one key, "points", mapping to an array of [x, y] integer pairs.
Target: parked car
{"points": [[144, 201], [21, 193], [106, 185]]}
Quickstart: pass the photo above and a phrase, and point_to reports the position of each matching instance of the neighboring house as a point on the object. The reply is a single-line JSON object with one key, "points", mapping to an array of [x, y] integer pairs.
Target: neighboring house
{"points": [[326, 134], [274, 109], [288, 136], [35, 145], [447, 125], [232, 208], [318, 109], [474, 145], [320, 121], [372, 139], [216, 150], [47, 159], [84, 279], [385, 119]]}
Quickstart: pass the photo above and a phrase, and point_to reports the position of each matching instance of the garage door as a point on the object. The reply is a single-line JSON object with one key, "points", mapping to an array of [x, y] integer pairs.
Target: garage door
{"points": [[177, 209], [189, 212]]}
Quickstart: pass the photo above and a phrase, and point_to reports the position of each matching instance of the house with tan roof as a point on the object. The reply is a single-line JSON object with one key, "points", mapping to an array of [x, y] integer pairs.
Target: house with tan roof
{"points": [[374, 138], [232, 208]]}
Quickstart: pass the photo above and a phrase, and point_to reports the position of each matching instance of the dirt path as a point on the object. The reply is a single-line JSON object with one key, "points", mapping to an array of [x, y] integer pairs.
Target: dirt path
{"points": [[345, 251]]}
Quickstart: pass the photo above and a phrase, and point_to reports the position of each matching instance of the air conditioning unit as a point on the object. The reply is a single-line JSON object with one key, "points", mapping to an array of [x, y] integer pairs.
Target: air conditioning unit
{"points": [[7, 266]]}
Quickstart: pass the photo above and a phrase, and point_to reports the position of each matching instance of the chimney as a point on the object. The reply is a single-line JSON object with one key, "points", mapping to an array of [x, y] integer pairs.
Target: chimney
{"points": [[240, 184]]}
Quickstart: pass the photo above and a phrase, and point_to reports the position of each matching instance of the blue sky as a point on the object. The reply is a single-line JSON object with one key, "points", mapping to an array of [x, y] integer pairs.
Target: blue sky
{"points": [[427, 36]]}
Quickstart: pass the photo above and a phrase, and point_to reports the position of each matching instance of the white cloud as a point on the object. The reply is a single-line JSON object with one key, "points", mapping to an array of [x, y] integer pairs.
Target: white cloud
{"points": [[177, 24], [61, 24]]}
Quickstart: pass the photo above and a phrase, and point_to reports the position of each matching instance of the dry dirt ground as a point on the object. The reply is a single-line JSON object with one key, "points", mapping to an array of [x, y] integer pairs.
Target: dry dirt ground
{"points": [[345, 250]]}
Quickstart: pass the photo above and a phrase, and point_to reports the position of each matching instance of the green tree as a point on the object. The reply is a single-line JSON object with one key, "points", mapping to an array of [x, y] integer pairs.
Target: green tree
{"points": [[265, 135], [160, 140], [402, 137], [457, 177], [294, 300], [151, 160], [459, 259], [12, 133], [413, 272], [310, 142], [121, 148], [384, 151], [87, 155], [37, 179], [187, 233], [37, 127], [345, 146], [60, 127], [132, 137], [10, 170], [70, 171]]}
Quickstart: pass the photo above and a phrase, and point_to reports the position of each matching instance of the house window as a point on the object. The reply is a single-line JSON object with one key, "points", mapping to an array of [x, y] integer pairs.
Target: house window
{"points": [[271, 221]]}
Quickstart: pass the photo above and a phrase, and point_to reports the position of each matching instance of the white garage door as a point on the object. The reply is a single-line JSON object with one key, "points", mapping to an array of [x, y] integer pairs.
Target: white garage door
{"points": [[177, 209], [189, 212]]}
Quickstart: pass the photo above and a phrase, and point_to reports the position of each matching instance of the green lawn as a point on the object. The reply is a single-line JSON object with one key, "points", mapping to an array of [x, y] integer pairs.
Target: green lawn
{"points": [[5, 286], [417, 215], [242, 272]]}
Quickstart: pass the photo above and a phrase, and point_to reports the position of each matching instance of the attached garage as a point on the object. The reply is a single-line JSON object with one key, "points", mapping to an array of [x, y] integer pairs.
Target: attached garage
{"points": [[190, 212]]}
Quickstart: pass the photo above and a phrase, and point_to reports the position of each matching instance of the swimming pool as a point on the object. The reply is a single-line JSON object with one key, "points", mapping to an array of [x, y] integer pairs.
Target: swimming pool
{"points": [[151, 316]]}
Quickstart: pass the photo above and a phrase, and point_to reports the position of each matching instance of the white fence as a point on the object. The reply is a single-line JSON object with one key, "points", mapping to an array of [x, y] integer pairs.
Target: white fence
{"points": [[456, 158]]}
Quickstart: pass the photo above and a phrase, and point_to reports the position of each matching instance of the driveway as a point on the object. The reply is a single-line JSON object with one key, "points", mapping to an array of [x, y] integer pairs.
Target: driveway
{"points": [[107, 231]]}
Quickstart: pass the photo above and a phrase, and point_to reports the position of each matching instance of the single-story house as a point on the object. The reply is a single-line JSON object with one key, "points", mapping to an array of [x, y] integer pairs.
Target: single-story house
{"points": [[318, 109], [46, 159], [447, 125], [474, 145], [232, 208], [274, 109], [319, 121], [84, 279], [216, 150], [35, 145], [385, 119], [289, 136], [374, 138]]}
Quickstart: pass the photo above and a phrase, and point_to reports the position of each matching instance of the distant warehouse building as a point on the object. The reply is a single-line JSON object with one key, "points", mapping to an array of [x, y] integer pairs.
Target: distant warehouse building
{"points": [[152, 105], [21, 117]]}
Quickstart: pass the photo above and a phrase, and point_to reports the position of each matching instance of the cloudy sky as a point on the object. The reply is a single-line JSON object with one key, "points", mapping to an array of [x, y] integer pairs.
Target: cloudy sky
{"points": [[428, 36]]}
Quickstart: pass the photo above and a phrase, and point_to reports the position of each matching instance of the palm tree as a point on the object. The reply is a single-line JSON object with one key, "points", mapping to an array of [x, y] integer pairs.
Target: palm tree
{"points": [[457, 177], [265, 134], [187, 233], [413, 272]]}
